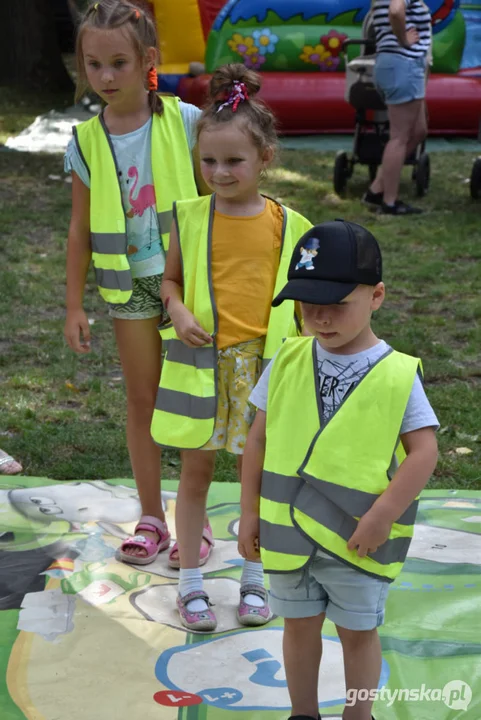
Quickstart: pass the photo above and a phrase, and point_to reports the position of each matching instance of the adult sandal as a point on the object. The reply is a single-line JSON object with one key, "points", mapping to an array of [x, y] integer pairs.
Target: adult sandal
{"points": [[202, 621], [147, 523], [205, 550]]}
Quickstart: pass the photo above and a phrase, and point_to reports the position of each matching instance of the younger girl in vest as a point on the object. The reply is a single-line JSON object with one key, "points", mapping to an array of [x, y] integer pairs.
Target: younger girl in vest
{"points": [[227, 255], [128, 166]]}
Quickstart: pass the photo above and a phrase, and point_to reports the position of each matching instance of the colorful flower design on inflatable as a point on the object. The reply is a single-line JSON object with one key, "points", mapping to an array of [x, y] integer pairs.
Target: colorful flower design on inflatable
{"points": [[253, 49], [243, 45], [326, 55], [255, 62], [266, 40], [333, 42]]}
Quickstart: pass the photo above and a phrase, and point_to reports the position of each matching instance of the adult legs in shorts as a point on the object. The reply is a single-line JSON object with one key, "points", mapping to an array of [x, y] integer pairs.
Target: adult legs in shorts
{"points": [[402, 82], [407, 123]]}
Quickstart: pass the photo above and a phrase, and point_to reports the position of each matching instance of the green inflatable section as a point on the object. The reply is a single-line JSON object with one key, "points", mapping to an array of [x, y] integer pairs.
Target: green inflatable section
{"points": [[85, 636], [313, 45]]}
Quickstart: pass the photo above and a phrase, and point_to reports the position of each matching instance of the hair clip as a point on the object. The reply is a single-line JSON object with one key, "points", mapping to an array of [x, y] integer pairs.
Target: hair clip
{"points": [[96, 7], [237, 95], [137, 14], [152, 79]]}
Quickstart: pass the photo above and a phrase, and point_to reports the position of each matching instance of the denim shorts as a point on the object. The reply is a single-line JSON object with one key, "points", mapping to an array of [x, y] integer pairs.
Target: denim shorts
{"points": [[400, 79], [350, 599], [144, 303]]}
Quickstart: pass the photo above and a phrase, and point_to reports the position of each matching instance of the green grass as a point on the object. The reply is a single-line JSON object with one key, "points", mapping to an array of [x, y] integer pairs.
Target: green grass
{"points": [[64, 416]]}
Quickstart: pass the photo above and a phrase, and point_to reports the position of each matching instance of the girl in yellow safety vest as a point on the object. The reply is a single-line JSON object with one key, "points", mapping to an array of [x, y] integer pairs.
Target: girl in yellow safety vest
{"points": [[226, 257], [128, 164]]}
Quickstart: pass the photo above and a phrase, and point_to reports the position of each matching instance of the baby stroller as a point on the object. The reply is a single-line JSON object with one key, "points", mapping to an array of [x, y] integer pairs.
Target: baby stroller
{"points": [[371, 132]]}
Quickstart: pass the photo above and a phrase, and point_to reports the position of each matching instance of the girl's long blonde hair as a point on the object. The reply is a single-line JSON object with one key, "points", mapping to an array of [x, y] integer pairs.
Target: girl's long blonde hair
{"points": [[110, 15]]}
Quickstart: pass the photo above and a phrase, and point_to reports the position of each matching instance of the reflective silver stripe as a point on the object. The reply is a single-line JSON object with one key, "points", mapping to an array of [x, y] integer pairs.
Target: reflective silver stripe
{"points": [[180, 403], [109, 243], [329, 515], [281, 488], [114, 279], [165, 221], [202, 358], [281, 539], [354, 502]]}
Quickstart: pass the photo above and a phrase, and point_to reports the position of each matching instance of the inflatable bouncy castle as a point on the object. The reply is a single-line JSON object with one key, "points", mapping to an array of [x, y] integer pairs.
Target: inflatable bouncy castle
{"points": [[297, 46]]}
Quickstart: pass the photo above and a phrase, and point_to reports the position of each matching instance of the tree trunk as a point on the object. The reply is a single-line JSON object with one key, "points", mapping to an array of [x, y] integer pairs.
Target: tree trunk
{"points": [[29, 49]]}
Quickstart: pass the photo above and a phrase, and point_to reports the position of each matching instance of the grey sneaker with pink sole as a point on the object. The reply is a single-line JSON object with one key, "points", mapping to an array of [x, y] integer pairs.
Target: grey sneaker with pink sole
{"points": [[249, 615], [202, 621]]}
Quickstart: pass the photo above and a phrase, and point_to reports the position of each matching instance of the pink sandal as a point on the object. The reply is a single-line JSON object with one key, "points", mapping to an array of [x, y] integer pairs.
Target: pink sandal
{"points": [[151, 524], [201, 621], [204, 551]]}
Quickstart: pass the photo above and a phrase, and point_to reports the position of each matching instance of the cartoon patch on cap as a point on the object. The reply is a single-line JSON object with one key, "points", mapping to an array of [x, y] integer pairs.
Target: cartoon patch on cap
{"points": [[308, 253]]}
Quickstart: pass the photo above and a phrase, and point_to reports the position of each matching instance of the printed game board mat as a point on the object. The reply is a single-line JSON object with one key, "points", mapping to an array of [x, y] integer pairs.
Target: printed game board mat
{"points": [[85, 637]]}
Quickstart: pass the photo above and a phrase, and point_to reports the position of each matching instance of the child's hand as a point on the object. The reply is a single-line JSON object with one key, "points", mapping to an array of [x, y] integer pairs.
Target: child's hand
{"points": [[188, 329], [371, 532], [248, 539], [77, 331]]}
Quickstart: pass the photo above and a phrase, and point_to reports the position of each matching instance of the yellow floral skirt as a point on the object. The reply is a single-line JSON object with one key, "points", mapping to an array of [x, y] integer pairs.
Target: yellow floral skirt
{"points": [[238, 370]]}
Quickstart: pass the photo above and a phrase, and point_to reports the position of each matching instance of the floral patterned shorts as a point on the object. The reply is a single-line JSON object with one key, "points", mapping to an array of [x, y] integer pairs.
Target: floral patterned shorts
{"points": [[239, 368]]}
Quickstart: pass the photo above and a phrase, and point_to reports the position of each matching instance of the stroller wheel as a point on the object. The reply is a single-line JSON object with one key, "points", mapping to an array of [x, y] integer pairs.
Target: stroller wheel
{"points": [[475, 184], [421, 175], [341, 172], [372, 172]]}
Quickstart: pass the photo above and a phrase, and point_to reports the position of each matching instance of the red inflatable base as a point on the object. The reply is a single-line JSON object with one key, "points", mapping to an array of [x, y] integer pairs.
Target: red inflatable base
{"points": [[308, 103]]}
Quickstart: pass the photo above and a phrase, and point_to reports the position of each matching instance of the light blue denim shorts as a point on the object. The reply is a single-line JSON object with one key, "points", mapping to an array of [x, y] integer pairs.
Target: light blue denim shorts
{"points": [[350, 599], [400, 79]]}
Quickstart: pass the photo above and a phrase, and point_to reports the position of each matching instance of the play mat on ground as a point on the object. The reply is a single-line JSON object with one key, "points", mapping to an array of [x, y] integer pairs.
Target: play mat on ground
{"points": [[84, 637]]}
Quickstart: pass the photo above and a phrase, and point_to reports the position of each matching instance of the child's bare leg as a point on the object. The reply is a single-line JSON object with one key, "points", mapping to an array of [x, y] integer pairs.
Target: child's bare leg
{"points": [[253, 607], [362, 667], [195, 479], [140, 346], [302, 647]]}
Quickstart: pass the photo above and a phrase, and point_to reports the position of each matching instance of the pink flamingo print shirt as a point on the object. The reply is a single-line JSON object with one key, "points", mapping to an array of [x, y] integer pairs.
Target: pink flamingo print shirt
{"points": [[133, 153]]}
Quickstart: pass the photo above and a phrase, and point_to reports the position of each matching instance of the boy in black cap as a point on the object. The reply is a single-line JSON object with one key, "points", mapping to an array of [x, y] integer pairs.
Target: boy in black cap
{"points": [[342, 444]]}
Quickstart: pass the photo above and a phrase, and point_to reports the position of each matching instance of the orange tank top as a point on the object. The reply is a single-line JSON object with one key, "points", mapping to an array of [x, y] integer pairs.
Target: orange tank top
{"points": [[245, 260]]}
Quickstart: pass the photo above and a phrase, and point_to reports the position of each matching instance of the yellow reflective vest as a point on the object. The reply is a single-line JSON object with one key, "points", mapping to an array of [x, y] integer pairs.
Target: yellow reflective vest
{"points": [[320, 477], [186, 406], [173, 176]]}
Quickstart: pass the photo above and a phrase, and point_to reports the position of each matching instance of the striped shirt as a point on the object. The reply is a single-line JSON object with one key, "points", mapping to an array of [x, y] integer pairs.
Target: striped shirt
{"points": [[417, 16]]}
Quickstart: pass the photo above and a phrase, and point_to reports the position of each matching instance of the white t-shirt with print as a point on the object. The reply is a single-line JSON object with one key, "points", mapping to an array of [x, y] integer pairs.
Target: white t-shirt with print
{"points": [[146, 252], [339, 374]]}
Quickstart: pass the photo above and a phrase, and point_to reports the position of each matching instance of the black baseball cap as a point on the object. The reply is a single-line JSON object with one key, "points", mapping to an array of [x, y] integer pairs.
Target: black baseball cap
{"points": [[330, 261]]}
